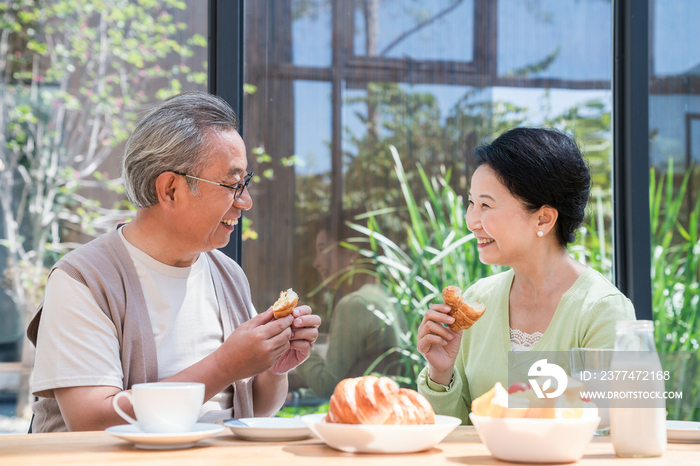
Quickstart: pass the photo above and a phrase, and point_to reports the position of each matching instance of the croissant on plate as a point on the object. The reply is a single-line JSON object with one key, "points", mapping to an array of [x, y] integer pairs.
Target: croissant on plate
{"points": [[465, 313], [377, 400]]}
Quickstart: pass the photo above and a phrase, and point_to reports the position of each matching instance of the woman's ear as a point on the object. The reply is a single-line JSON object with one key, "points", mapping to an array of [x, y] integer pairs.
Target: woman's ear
{"points": [[167, 185], [545, 219]]}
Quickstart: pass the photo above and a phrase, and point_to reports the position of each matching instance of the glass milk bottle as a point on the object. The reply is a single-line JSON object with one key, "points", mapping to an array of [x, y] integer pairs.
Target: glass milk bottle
{"points": [[637, 412]]}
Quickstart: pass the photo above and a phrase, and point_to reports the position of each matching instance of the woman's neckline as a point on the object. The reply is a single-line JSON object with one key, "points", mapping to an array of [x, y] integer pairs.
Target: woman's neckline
{"points": [[557, 312]]}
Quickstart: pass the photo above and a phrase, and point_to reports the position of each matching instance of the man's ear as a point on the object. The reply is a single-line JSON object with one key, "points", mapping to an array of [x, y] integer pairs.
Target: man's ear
{"points": [[168, 185], [546, 218]]}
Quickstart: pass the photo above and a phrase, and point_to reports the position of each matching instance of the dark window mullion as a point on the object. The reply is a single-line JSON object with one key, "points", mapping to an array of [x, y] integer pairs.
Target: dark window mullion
{"points": [[225, 70], [631, 223]]}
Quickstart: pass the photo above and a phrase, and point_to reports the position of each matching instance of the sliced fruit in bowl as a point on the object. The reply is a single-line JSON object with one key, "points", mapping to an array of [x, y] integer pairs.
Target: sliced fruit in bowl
{"points": [[516, 425], [530, 440]]}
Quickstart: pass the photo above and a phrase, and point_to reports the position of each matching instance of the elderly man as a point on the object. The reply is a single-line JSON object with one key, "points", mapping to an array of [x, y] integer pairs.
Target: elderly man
{"points": [[153, 300]]}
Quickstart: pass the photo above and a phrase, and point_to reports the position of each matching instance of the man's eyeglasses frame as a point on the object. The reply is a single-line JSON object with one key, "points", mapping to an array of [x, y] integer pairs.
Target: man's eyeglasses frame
{"points": [[237, 188]]}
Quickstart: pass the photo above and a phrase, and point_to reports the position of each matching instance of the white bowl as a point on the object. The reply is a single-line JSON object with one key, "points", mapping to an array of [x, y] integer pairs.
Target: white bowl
{"points": [[535, 440], [361, 438]]}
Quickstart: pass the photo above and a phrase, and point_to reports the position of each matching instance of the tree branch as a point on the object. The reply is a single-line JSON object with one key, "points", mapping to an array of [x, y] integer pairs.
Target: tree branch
{"points": [[420, 26]]}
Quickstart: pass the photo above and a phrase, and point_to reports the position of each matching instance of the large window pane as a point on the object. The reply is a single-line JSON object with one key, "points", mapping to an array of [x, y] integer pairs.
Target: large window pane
{"points": [[532, 38], [674, 152], [311, 30], [410, 88]]}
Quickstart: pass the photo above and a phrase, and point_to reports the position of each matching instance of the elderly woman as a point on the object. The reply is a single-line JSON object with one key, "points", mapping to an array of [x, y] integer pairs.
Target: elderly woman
{"points": [[528, 197]]}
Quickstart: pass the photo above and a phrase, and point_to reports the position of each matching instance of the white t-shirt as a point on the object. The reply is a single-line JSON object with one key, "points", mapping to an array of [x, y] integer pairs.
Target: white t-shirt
{"points": [[77, 343]]}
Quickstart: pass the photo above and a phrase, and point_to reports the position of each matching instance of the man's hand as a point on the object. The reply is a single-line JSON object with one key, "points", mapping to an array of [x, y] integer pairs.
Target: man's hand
{"points": [[304, 334], [255, 346], [270, 387]]}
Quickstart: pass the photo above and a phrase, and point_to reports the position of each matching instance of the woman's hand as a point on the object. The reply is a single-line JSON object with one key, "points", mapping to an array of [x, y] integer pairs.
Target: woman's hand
{"points": [[438, 344]]}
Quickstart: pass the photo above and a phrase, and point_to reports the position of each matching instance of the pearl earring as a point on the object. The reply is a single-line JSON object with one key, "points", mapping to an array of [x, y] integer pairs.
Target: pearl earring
{"points": [[540, 233]]}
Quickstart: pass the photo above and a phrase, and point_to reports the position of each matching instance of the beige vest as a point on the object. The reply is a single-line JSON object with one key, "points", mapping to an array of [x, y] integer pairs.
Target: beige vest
{"points": [[106, 268]]}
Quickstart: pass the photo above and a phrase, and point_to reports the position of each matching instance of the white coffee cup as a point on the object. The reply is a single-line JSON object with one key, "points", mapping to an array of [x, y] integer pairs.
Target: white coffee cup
{"points": [[165, 407]]}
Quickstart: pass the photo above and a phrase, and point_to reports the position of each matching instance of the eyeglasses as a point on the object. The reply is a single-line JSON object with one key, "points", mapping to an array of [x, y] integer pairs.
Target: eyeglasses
{"points": [[236, 188]]}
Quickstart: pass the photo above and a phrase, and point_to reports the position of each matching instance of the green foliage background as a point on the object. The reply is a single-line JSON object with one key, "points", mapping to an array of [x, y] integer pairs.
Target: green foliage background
{"points": [[76, 75]]}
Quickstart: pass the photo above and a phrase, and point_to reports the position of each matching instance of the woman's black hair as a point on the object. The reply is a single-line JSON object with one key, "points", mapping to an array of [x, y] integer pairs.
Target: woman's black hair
{"points": [[542, 167]]}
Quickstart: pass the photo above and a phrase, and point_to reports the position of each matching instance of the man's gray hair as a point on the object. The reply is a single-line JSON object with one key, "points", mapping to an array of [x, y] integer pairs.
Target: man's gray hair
{"points": [[173, 136]]}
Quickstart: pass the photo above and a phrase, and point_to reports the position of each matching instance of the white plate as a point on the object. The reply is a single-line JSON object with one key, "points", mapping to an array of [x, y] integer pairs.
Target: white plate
{"points": [[683, 431], [358, 438], [169, 441], [270, 429]]}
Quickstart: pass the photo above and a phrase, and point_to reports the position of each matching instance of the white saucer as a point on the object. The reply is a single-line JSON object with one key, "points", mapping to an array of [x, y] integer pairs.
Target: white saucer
{"points": [[270, 429], [683, 431], [148, 441]]}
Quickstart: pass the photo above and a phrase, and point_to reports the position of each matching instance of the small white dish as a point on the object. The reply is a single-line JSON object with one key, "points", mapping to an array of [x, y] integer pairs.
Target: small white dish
{"points": [[528, 440], [362, 438], [683, 431], [270, 429], [167, 441]]}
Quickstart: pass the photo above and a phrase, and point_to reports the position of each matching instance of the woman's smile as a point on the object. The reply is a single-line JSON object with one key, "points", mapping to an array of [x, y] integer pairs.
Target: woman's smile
{"points": [[483, 242]]}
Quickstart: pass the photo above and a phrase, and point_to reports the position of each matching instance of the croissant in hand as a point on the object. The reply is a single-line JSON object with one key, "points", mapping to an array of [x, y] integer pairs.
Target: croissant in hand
{"points": [[285, 304], [465, 313], [377, 400]]}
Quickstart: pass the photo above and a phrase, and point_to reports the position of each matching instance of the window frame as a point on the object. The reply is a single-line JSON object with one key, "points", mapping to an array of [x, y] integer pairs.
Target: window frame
{"points": [[225, 75], [630, 89], [630, 114]]}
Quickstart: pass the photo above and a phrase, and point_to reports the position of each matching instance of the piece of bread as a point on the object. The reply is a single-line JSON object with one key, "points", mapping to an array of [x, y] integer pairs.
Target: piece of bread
{"points": [[465, 313], [377, 400], [285, 304]]}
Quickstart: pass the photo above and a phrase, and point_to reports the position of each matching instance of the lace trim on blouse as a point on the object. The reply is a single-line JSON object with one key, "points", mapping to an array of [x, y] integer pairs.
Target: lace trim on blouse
{"points": [[521, 341]]}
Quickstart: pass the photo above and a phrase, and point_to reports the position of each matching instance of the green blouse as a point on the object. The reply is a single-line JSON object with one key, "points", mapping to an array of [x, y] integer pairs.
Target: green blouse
{"points": [[584, 318]]}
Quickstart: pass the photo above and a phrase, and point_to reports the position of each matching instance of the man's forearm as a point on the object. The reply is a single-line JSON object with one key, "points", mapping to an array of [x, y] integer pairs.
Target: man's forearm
{"points": [[208, 372], [269, 393], [90, 408]]}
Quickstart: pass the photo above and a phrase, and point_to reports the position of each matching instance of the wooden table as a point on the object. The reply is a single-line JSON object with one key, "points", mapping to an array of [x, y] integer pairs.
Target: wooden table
{"points": [[460, 447]]}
